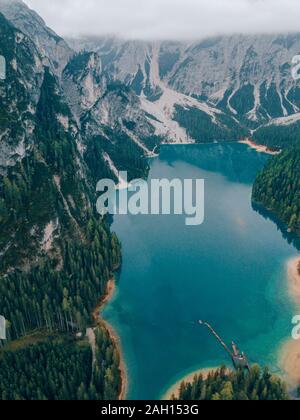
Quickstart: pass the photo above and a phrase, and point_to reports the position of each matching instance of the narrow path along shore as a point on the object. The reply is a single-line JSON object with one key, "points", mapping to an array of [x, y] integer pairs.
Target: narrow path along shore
{"points": [[290, 352], [259, 148], [110, 291]]}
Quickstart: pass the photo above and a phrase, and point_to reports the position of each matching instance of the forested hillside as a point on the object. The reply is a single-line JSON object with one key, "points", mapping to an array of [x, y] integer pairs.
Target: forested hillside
{"points": [[57, 254], [110, 117], [54, 287], [65, 123], [201, 128], [238, 386], [277, 188], [278, 136], [52, 369]]}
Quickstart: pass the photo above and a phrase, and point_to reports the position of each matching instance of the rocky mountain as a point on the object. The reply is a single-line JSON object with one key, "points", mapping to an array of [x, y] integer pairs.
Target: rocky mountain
{"points": [[110, 123], [68, 119], [141, 67], [63, 127], [19, 93], [247, 78], [34, 204], [56, 253], [115, 102], [126, 97], [47, 188], [54, 51]]}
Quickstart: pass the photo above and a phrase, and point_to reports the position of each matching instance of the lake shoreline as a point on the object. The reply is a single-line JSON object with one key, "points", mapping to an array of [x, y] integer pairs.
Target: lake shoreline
{"points": [[258, 147], [294, 279], [290, 351], [206, 159], [109, 294], [174, 389], [289, 355]]}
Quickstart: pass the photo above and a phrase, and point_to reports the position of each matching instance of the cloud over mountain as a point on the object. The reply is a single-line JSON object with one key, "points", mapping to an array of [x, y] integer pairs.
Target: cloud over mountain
{"points": [[168, 19]]}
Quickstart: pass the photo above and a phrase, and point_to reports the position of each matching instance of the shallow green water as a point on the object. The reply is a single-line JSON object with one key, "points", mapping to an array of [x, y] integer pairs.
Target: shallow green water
{"points": [[229, 271]]}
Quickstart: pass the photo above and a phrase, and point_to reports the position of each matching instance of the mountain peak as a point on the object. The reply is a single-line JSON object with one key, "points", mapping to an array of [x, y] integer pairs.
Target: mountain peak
{"points": [[52, 47]]}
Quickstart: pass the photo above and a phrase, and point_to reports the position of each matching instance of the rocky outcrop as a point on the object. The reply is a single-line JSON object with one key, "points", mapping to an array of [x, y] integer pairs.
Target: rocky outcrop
{"points": [[108, 113], [19, 93], [247, 77], [54, 51]]}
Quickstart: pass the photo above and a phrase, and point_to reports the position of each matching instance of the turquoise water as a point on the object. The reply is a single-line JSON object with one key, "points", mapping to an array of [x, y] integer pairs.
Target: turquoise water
{"points": [[229, 271]]}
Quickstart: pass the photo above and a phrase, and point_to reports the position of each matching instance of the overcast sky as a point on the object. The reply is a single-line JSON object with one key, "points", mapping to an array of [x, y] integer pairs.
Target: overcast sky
{"points": [[168, 19]]}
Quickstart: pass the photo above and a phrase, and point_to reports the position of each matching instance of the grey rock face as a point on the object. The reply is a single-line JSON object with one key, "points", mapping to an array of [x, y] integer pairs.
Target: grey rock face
{"points": [[235, 86], [100, 104], [19, 93], [83, 82], [52, 48], [248, 77]]}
